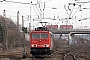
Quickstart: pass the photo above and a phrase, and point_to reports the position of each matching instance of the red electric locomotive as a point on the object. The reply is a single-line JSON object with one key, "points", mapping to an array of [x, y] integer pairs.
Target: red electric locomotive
{"points": [[41, 41]]}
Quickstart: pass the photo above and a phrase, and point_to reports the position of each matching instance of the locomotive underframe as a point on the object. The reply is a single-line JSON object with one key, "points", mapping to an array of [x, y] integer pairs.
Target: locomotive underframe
{"points": [[40, 51]]}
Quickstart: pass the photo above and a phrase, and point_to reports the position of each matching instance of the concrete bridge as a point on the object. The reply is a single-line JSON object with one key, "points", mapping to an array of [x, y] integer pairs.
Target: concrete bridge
{"points": [[72, 31]]}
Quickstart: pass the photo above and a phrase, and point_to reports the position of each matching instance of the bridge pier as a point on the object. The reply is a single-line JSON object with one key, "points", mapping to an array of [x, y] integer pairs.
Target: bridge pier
{"points": [[71, 39]]}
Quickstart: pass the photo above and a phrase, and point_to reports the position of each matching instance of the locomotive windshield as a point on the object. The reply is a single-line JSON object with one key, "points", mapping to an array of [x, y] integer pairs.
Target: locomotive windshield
{"points": [[35, 35], [42, 35]]}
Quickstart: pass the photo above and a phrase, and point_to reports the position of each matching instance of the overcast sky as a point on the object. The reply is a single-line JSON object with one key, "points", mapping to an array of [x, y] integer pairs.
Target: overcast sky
{"points": [[60, 11]]}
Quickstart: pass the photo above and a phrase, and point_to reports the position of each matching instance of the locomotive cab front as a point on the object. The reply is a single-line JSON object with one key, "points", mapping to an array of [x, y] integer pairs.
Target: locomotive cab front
{"points": [[41, 42]]}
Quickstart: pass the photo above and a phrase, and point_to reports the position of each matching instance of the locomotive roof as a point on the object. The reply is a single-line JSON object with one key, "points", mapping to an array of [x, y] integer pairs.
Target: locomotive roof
{"points": [[41, 31]]}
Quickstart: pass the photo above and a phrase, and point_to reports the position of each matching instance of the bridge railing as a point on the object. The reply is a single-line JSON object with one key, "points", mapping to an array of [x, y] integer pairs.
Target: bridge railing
{"points": [[79, 30], [69, 29]]}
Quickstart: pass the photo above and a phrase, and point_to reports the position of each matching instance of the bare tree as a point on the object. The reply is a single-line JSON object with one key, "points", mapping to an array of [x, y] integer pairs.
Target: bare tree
{"points": [[12, 32]]}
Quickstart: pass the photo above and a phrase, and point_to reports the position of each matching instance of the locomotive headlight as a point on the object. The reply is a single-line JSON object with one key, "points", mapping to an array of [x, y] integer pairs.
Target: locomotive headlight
{"points": [[34, 45], [46, 45]]}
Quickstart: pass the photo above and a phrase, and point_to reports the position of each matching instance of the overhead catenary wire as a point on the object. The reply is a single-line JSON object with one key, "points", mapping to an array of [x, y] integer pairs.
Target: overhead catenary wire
{"points": [[38, 10], [35, 11], [71, 12], [29, 4], [46, 1], [23, 3], [38, 1], [66, 9], [75, 12], [15, 13], [70, 16], [18, 2], [79, 6]]}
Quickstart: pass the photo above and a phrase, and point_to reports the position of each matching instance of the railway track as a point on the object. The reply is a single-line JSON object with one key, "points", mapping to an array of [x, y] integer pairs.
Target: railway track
{"points": [[74, 52], [61, 53], [78, 51], [69, 57], [38, 58]]}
